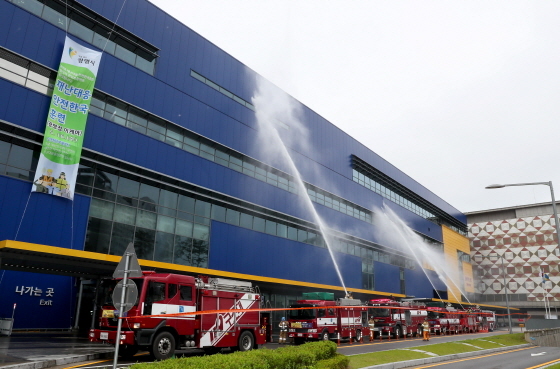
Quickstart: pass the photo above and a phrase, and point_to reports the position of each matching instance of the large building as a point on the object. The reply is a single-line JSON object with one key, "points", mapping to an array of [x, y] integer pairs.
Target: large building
{"points": [[515, 252], [173, 161]]}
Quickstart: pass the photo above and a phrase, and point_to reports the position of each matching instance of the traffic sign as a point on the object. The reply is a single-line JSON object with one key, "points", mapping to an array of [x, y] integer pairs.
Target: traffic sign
{"points": [[129, 298], [134, 270]]}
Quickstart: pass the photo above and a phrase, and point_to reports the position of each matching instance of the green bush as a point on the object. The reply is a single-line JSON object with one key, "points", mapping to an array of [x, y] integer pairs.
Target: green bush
{"points": [[289, 357], [337, 362]]}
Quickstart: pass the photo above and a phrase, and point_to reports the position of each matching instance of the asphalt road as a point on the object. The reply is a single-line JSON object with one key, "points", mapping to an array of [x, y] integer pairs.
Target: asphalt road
{"points": [[523, 358], [344, 348]]}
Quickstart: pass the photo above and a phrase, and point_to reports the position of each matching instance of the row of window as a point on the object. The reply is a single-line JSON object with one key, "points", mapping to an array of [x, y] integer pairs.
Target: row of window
{"points": [[20, 70], [124, 201], [389, 194], [502, 297], [28, 74], [83, 28], [222, 90]]}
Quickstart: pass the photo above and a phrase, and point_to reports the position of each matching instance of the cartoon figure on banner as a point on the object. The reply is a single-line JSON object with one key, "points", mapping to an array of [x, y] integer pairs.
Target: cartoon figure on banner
{"points": [[61, 186], [45, 183]]}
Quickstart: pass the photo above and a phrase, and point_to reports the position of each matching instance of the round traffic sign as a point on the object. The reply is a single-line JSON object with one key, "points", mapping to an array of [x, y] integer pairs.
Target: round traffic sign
{"points": [[129, 298]]}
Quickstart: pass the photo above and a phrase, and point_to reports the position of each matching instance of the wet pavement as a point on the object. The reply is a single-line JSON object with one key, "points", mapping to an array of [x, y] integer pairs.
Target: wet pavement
{"points": [[34, 350]]}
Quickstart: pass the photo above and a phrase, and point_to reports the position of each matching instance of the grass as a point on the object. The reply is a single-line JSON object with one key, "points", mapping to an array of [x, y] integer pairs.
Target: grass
{"points": [[391, 356]]}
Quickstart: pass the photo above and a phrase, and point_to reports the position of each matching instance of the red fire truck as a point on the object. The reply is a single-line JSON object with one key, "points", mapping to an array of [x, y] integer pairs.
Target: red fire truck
{"points": [[161, 294], [397, 319], [341, 319], [444, 320]]}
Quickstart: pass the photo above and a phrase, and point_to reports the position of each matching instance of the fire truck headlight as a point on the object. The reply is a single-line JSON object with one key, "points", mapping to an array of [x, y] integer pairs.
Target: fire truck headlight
{"points": [[312, 330], [91, 334], [123, 337], [136, 325], [292, 330]]}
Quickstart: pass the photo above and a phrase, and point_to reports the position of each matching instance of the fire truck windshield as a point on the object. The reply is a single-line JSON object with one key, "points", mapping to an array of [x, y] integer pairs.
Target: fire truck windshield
{"points": [[382, 313], [433, 314], [302, 314]]}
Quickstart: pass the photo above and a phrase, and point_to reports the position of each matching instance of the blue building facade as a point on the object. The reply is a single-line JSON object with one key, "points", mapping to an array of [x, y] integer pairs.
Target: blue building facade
{"points": [[172, 162]]}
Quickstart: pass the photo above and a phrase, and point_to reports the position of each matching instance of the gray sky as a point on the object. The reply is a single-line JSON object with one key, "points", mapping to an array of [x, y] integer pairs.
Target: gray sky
{"points": [[457, 94]]}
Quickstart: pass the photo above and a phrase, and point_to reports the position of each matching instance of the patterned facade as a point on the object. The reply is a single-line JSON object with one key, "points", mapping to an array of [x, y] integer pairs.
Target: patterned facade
{"points": [[528, 246]]}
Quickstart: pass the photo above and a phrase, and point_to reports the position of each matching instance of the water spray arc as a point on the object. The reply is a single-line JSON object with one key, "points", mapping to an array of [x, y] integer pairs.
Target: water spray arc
{"points": [[268, 106], [395, 231]]}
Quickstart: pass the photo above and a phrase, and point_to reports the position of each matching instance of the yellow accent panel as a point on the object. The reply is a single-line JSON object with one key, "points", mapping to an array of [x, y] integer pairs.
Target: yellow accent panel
{"points": [[61, 251], [453, 241]]}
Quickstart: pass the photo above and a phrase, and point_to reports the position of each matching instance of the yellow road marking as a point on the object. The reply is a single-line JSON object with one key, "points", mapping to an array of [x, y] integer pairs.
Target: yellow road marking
{"points": [[471, 358], [543, 364]]}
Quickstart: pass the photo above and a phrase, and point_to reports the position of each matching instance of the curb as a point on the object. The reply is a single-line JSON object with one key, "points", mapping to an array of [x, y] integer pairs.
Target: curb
{"points": [[59, 361], [431, 360]]}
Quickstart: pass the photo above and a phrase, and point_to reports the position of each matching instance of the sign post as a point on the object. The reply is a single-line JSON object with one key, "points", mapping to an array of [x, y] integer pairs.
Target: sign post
{"points": [[131, 268]]}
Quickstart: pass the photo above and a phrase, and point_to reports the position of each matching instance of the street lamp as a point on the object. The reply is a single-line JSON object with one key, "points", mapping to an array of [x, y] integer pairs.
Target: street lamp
{"points": [[549, 184]]}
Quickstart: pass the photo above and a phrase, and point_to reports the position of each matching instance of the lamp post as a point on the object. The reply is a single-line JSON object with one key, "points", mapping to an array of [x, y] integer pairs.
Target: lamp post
{"points": [[557, 226]]}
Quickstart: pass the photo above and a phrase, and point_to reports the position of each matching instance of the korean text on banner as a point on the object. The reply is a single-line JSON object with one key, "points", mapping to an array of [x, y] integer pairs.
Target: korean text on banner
{"points": [[57, 169]]}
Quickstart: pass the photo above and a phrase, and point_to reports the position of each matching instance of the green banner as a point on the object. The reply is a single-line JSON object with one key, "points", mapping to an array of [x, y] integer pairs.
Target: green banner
{"points": [[57, 169]]}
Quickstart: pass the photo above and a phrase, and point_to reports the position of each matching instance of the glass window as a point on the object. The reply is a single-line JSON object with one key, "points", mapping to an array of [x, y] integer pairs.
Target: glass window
{"points": [[218, 213], [12, 76], [98, 235], [174, 132], [282, 230], [124, 54], [33, 6], [232, 217], [226, 92], [121, 236], [183, 250], [157, 127], [246, 221], [201, 232], [270, 227], [146, 219], [168, 199], [54, 17], [191, 142], [137, 117], [184, 228], [208, 149], [85, 173], [166, 224], [124, 214], [186, 203], [301, 235], [105, 180], [200, 253], [163, 250], [128, 187], [144, 240], [202, 208], [213, 85], [104, 44], [148, 194], [292, 233], [21, 157], [186, 293], [101, 209], [145, 65], [198, 76], [81, 31], [258, 224]]}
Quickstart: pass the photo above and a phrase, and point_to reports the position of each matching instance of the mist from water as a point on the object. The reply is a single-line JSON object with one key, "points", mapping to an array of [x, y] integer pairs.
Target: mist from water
{"points": [[279, 128], [395, 232]]}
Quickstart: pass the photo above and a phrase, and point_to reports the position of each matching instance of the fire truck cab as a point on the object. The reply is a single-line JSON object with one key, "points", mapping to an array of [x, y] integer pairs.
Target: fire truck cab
{"points": [[157, 322]]}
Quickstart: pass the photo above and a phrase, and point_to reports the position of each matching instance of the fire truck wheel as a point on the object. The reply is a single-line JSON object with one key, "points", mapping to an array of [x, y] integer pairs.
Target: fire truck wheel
{"points": [[444, 331], [358, 336], [246, 341], [163, 346], [127, 351], [325, 335], [397, 333]]}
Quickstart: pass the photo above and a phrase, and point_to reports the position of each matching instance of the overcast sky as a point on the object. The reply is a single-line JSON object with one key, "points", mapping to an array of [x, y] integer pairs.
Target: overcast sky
{"points": [[457, 94]]}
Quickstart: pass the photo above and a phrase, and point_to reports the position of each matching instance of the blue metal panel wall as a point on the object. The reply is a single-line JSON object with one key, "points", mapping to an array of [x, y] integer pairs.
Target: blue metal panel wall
{"points": [[48, 220], [417, 283], [35, 309], [387, 277], [241, 250]]}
